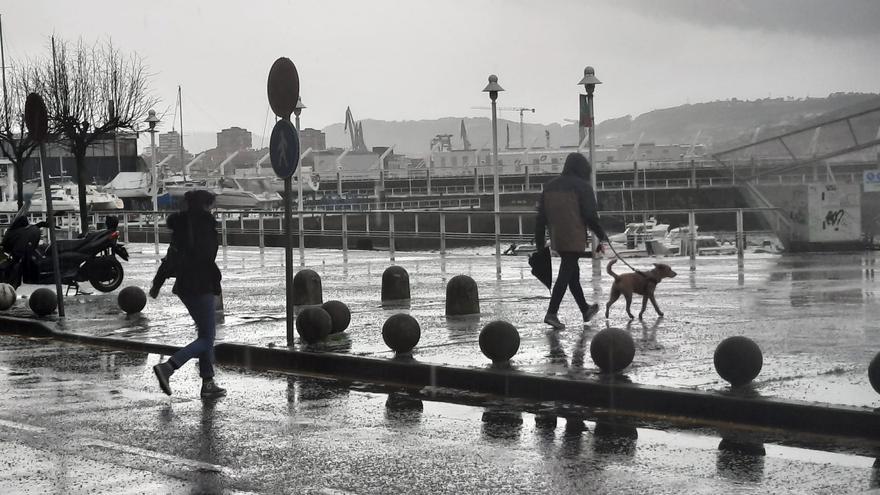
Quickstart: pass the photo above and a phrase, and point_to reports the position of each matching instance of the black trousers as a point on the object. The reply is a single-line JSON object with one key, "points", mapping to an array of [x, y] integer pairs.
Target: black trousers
{"points": [[569, 277]]}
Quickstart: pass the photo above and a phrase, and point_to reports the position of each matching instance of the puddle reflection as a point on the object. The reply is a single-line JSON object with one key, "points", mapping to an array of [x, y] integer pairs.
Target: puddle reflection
{"points": [[208, 481], [615, 438], [301, 391], [401, 409], [740, 459], [501, 424], [875, 474]]}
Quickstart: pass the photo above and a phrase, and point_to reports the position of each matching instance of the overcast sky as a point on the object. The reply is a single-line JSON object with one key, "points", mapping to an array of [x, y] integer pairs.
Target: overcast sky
{"points": [[409, 60]]}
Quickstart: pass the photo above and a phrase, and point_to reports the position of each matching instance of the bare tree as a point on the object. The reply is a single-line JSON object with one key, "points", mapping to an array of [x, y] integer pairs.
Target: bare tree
{"points": [[92, 92], [15, 144]]}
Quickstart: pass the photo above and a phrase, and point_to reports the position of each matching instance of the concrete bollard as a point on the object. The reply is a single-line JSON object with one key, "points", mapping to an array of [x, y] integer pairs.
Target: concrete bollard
{"points": [[313, 325], [307, 288], [874, 372], [43, 301], [738, 360], [340, 315], [395, 285], [499, 341], [401, 332], [131, 299], [462, 297], [7, 296], [612, 350]]}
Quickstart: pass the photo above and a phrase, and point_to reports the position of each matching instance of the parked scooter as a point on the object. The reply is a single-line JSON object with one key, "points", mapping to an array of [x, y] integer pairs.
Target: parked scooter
{"points": [[91, 258]]}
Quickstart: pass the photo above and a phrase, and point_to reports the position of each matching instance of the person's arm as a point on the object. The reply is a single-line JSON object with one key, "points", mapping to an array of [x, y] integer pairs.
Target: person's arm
{"points": [[590, 212], [540, 223]]}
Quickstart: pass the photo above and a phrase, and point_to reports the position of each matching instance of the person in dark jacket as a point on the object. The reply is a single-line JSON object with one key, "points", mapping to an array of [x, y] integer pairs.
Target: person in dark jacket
{"points": [[568, 206], [194, 238]]}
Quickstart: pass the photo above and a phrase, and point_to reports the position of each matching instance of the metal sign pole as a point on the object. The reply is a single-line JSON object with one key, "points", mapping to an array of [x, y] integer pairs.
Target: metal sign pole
{"points": [[300, 209], [47, 196], [283, 92], [288, 260]]}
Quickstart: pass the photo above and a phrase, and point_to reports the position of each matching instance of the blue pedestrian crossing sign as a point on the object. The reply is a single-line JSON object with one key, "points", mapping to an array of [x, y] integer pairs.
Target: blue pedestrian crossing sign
{"points": [[284, 149]]}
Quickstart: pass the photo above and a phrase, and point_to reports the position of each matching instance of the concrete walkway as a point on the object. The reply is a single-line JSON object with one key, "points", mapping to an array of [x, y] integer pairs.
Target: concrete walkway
{"points": [[812, 315]]}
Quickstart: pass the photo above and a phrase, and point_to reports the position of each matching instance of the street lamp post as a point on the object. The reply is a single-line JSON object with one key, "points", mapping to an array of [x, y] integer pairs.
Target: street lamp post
{"points": [[152, 120], [299, 188], [493, 88], [298, 110], [590, 81]]}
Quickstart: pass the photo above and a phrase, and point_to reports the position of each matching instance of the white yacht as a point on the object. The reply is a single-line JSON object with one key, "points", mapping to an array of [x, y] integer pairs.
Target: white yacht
{"points": [[131, 185], [255, 180], [641, 232], [65, 197]]}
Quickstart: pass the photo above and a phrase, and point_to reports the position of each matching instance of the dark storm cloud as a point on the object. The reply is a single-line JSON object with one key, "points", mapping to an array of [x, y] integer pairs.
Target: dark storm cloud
{"points": [[819, 18]]}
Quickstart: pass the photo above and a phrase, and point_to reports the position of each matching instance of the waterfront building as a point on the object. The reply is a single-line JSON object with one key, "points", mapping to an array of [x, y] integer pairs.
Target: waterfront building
{"points": [[233, 139], [312, 138], [109, 155], [169, 144]]}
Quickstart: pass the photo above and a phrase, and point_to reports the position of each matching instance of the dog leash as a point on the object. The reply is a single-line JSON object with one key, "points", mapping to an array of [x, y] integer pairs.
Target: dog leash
{"points": [[623, 260]]}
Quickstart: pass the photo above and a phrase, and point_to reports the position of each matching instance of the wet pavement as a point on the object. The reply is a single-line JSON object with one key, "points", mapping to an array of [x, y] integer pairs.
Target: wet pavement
{"points": [[78, 419], [813, 315]]}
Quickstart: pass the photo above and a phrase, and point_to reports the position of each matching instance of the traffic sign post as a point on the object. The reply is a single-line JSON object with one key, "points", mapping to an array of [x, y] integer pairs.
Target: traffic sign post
{"points": [[282, 89], [37, 122]]}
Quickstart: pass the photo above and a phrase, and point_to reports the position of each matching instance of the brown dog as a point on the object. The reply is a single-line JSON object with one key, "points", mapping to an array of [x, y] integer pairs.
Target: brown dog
{"points": [[642, 283]]}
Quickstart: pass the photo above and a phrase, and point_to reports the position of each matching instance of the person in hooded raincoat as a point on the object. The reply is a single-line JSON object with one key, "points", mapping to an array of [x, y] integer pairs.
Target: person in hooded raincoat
{"points": [[568, 206]]}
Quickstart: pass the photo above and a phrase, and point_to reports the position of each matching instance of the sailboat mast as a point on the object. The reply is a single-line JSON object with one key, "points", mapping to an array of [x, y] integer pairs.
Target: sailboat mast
{"points": [[3, 64], [180, 103]]}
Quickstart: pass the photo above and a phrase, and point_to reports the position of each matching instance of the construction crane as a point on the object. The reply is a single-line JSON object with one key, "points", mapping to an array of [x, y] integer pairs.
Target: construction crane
{"points": [[521, 110]]}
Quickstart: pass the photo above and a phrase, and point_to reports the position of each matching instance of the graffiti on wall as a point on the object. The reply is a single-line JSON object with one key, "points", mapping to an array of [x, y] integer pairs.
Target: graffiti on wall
{"points": [[835, 212], [833, 219]]}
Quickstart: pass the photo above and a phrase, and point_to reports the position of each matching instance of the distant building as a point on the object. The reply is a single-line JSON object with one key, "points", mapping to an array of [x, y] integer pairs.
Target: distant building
{"points": [[169, 144], [357, 164], [104, 159], [657, 152], [233, 139], [312, 138]]}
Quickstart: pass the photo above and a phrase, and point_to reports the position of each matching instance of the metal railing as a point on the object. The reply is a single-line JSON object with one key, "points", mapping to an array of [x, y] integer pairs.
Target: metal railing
{"points": [[429, 228], [483, 186]]}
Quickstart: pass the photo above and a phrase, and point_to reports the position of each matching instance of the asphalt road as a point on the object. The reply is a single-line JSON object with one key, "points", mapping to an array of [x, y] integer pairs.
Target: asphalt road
{"points": [[77, 419]]}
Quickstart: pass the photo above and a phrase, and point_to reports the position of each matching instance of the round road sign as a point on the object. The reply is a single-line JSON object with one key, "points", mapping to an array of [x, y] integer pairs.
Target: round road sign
{"points": [[284, 149], [283, 87], [36, 117]]}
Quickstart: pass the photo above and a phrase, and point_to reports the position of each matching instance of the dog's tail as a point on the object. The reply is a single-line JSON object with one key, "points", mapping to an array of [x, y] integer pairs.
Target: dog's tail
{"points": [[610, 272]]}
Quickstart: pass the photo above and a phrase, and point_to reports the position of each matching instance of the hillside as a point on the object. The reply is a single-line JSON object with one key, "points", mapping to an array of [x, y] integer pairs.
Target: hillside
{"points": [[720, 123]]}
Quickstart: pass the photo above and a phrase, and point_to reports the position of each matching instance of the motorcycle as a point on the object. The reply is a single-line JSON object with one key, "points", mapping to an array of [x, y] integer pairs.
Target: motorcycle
{"points": [[90, 258]]}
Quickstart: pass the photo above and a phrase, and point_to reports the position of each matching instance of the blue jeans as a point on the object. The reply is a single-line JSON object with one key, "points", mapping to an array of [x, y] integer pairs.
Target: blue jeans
{"points": [[201, 308], [569, 278]]}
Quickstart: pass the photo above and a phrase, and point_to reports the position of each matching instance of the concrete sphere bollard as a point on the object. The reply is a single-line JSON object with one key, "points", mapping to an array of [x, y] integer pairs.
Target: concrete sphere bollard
{"points": [[499, 341], [131, 299], [7, 296], [340, 315], [43, 302], [874, 372], [307, 288], [313, 325], [738, 360], [395, 284], [462, 297], [612, 350], [401, 332]]}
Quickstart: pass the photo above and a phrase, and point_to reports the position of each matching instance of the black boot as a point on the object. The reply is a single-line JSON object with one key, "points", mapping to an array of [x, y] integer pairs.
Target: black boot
{"points": [[211, 390], [163, 372]]}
